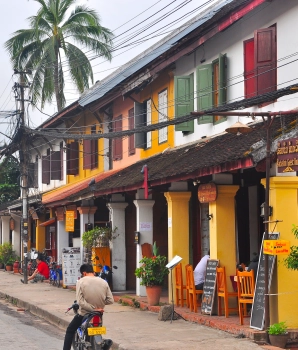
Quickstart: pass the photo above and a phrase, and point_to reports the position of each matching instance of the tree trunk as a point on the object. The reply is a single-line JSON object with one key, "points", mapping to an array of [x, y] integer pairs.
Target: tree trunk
{"points": [[57, 83]]}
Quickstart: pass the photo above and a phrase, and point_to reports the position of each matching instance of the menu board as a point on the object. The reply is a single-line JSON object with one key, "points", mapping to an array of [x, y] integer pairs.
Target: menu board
{"points": [[71, 262], [258, 306], [209, 287]]}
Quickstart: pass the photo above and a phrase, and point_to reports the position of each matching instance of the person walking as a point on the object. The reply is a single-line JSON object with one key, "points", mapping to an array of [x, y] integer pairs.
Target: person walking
{"points": [[92, 294]]}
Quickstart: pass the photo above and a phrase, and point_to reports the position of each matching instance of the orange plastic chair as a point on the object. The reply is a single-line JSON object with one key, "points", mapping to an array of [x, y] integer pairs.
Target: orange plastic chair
{"points": [[180, 287], [187, 287], [222, 292], [246, 289], [193, 293]]}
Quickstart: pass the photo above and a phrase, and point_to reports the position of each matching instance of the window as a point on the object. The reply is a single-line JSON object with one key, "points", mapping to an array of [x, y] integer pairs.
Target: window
{"points": [[90, 149], [163, 115], [260, 62], [46, 169], [211, 87], [117, 142], [73, 158], [143, 118], [131, 138], [184, 97], [56, 171]]}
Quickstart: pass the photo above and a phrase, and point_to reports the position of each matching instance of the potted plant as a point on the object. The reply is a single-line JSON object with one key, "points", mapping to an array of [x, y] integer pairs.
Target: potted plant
{"points": [[278, 334], [152, 273], [8, 255], [291, 261]]}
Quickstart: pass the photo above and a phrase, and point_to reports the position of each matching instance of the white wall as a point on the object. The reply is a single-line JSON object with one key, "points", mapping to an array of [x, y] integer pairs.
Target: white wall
{"points": [[282, 13]]}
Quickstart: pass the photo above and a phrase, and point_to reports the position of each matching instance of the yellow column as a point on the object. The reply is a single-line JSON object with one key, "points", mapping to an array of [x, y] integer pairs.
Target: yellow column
{"points": [[40, 235], [178, 228], [222, 229], [283, 199]]}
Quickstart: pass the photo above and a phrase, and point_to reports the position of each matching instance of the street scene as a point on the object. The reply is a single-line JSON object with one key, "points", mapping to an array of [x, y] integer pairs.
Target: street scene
{"points": [[148, 174]]}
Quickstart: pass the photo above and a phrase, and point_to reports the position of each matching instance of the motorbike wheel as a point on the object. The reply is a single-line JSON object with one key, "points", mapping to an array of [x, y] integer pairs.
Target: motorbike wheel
{"points": [[94, 346], [76, 344], [57, 279]]}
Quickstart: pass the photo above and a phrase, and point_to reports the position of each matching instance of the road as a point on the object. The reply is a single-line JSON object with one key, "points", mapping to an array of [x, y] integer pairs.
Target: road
{"points": [[22, 330]]}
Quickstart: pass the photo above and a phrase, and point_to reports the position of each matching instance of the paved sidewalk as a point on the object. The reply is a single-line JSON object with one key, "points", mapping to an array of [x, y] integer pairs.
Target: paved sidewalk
{"points": [[123, 322]]}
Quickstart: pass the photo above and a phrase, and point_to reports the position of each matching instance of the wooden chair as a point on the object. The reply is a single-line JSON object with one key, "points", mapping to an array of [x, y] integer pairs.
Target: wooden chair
{"points": [[222, 292], [246, 289], [180, 287], [193, 293], [187, 287]]}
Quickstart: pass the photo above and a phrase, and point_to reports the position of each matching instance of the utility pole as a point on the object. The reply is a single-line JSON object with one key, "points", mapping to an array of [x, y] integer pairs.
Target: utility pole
{"points": [[24, 167]]}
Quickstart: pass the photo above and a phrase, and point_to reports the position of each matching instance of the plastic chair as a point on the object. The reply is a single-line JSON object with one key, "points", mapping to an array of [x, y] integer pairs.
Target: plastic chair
{"points": [[246, 289], [222, 292], [193, 293], [180, 287]]}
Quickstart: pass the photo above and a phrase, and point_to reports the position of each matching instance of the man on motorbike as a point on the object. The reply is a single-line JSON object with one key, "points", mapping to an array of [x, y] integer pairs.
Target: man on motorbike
{"points": [[92, 294]]}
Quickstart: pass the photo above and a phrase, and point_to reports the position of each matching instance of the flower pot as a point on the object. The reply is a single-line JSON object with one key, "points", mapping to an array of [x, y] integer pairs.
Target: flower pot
{"points": [[153, 294], [15, 267], [279, 340], [8, 267]]}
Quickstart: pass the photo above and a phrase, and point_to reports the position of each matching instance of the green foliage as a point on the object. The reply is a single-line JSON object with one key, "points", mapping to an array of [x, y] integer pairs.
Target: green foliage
{"points": [[9, 174], [153, 269], [291, 261], [7, 255], [98, 237], [278, 328], [39, 48]]}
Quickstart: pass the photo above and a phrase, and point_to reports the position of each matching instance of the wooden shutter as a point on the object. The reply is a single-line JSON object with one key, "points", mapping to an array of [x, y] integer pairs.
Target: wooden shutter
{"points": [[140, 121], [61, 161], [73, 158], [249, 68], [117, 142], [94, 149], [45, 169], [131, 138], [56, 165], [148, 118], [184, 101], [35, 179], [265, 59], [163, 115], [87, 154], [222, 93], [204, 92], [31, 178]]}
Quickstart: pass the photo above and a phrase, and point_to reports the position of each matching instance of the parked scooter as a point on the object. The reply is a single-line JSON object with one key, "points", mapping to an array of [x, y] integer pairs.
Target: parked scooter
{"points": [[105, 272], [89, 334]]}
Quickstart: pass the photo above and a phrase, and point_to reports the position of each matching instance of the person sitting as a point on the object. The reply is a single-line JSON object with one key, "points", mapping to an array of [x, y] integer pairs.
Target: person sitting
{"points": [[200, 272], [253, 265], [41, 273]]}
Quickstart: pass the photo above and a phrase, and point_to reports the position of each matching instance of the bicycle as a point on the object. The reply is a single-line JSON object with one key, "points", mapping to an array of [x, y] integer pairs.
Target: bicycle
{"points": [[55, 274]]}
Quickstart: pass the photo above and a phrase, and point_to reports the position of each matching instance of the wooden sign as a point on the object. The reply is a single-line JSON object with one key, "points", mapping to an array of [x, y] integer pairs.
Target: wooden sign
{"points": [[11, 224], [276, 247], [209, 287], [60, 213], [258, 307], [69, 221], [287, 155], [207, 192], [73, 207]]}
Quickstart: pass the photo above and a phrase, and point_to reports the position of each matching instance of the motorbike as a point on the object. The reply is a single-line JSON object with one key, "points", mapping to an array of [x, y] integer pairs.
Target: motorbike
{"points": [[105, 272], [89, 334]]}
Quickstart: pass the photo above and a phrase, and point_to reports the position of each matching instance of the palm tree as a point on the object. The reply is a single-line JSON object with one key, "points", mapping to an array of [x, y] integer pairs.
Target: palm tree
{"points": [[39, 48]]}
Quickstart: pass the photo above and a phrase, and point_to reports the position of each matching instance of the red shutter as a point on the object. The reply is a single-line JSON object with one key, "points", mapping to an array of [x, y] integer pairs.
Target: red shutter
{"points": [[87, 154], [46, 169], [131, 138], [73, 158], [249, 68], [94, 149], [265, 59], [117, 142], [56, 165], [61, 162]]}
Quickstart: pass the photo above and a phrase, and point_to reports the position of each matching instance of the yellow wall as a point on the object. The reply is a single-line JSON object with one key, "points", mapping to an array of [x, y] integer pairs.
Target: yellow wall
{"points": [[283, 198], [164, 81]]}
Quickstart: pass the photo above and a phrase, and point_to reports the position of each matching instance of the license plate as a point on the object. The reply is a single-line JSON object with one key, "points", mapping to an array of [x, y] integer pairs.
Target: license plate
{"points": [[96, 330]]}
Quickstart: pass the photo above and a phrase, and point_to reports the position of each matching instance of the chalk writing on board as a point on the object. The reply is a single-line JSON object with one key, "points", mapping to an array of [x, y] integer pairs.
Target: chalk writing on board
{"points": [[209, 287]]}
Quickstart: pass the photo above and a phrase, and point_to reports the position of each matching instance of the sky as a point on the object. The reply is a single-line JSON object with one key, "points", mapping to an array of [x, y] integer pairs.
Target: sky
{"points": [[124, 17]]}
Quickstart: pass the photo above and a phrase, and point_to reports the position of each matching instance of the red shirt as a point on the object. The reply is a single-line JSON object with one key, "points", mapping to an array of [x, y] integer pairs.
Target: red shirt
{"points": [[43, 269]]}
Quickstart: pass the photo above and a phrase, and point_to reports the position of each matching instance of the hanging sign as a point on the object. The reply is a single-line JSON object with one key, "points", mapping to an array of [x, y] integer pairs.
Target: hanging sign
{"points": [[60, 213], [287, 155], [73, 207], [11, 224], [276, 247], [69, 221], [207, 192]]}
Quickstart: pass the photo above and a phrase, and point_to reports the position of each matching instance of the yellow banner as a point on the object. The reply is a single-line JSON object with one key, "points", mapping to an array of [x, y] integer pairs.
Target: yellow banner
{"points": [[69, 221], [276, 247]]}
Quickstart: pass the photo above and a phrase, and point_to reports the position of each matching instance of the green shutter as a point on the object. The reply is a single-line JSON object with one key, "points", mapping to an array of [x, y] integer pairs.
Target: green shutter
{"points": [[204, 92], [184, 97], [222, 98]]}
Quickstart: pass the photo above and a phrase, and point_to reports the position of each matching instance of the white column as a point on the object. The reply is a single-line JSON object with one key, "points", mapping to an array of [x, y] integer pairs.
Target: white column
{"points": [[5, 229], [117, 217], [145, 227], [16, 235], [62, 239]]}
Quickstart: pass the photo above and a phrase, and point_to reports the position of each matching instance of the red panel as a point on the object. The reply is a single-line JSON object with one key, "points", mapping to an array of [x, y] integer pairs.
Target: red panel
{"points": [[249, 68], [117, 142], [265, 59], [87, 154], [131, 138]]}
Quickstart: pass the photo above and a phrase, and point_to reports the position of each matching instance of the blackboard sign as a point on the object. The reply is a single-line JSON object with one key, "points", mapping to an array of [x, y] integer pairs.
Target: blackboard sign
{"points": [[209, 287], [258, 306]]}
